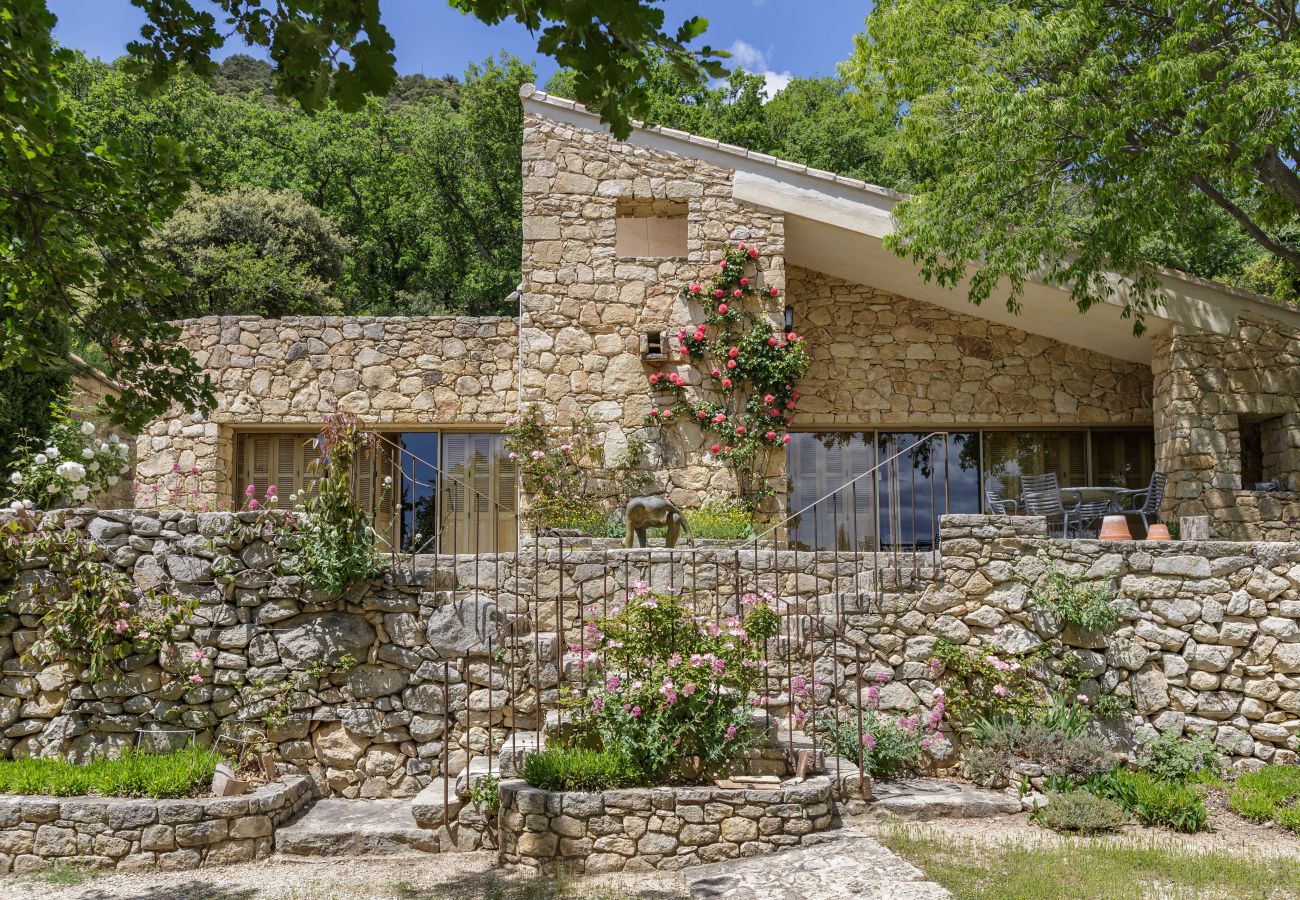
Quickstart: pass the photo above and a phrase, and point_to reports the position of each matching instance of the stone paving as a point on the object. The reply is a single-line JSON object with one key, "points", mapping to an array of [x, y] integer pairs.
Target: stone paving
{"points": [[847, 864], [923, 799]]}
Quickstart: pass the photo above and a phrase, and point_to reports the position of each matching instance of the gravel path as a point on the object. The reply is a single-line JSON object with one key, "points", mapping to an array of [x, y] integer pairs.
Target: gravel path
{"points": [[456, 876]]}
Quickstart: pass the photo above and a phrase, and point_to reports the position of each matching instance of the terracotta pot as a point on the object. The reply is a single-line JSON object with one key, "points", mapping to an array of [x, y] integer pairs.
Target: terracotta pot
{"points": [[1157, 531], [1115, 528]]}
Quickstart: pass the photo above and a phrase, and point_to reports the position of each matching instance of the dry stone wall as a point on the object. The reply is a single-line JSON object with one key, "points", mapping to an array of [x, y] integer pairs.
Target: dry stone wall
{"points": [[655, 828], [289, 373], [143, 835]]}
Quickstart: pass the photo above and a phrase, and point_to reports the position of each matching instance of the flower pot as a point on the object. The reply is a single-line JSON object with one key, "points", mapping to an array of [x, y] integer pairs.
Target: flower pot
{"points": [[1157, 531], [1115, 528]]}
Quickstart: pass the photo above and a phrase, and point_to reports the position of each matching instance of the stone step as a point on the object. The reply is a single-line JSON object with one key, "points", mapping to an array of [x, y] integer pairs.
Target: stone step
{"points": [[360, 828], [427, 807], [515, 750], [923, 799]]}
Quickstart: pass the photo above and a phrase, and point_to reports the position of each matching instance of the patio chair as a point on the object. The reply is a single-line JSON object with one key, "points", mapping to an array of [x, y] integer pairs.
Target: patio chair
{"points": [[1144, 502], [1041, 495], [1081, 520], [1001, 506]]}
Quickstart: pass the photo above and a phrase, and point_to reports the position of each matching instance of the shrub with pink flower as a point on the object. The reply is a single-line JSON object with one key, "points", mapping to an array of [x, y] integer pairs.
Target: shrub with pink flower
{"points": [[886, 744], [670, 691]]}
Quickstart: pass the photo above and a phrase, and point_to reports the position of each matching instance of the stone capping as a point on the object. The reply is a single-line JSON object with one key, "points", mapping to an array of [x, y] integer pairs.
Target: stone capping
{"points": [[139, 834], [654, 828]]}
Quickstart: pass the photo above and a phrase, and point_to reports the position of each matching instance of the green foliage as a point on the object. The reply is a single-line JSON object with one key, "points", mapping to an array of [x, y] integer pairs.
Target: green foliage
{"points": [[332, 540], [75, 212], [1066, 757], [750, 367], [673, 688], [30, 399], [87, 611], [720, 520], [486, 794], [612, 47], [1080, 812], [573, 769], [1180, 807], [885, 746], [985, 686], [180, 773], [1072, 601], [251, 252], [1268, 794], [1063, 139], [1170, 757]]}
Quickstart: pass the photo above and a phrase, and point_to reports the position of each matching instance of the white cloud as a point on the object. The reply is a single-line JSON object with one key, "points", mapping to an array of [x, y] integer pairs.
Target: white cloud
{"points": [[748, 57]]}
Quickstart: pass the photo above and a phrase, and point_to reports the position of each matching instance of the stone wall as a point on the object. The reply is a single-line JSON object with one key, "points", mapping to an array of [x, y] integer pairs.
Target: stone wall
{"points": [[1207, 386], [587, 311], [655, 828], [136, 835], [882, 359], [424, 372]]}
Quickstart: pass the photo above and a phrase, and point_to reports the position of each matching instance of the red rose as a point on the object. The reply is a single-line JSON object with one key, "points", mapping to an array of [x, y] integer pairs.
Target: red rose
{"points": [[786, 439], [792, 337], [789, 404], [795, 395], [740, 429], [733, 352], [722, 264], [667, 414], [768, 398], [731, 364], [744, 282], [703, 414], [722, 309], [654, 413], [654, 379], [695, 287], [771, 435], [753, 253], [715, 449], [742, 245], [726, 382], [771, 342], [715, 373], [771, 292], [736, 293], [774, 412], [718, 293]]}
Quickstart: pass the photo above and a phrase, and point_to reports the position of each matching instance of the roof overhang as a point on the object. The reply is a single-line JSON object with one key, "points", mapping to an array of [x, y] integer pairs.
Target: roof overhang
{"points": [[837, 225]]}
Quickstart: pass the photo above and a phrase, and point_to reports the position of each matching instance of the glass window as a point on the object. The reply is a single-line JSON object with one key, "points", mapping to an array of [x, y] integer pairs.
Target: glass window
{"points": [[1123, 458], [818, 464], [1008, 455], [931, 477], [478, 495]]}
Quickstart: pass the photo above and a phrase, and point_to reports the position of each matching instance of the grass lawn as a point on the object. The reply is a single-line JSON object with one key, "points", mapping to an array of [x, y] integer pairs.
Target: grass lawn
{"points": [[177, 774], [1096, 868]]}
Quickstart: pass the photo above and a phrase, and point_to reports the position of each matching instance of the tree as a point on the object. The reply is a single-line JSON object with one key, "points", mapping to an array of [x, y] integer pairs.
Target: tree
{"points": [[1063, 137], [251, 252], [75, 218], [27, 398]]}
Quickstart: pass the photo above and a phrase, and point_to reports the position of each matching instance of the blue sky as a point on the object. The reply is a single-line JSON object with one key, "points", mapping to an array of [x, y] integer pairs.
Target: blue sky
{"points": [[778, 37]]}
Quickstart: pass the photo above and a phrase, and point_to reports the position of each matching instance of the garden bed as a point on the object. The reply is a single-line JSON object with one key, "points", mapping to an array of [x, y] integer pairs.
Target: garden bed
{"points": [[133, 834], [655, 828]]}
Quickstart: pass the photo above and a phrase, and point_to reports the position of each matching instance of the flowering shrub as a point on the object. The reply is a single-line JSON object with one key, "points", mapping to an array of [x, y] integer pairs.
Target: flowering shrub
{"points": [[751, 370], [332, 540], [90, 612], [70, 465], [720, 520], [667, 687], [981, 685]]}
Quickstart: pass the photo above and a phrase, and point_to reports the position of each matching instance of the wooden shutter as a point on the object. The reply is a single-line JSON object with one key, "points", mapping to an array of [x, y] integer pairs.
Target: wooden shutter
{"points": [[453, 515]]}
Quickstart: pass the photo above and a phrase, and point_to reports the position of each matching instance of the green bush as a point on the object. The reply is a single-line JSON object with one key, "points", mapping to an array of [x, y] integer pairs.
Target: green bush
{"points": [[486, 794], [886, 746], [720, 520], [1073, 601], [1177, 759], [1082, 812], [177, 774], [1066, 757], [1268, 794], [579, 770], [1154, 802]]}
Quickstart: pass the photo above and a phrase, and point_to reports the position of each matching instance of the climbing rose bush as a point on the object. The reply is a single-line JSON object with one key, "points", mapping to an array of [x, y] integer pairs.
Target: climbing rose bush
{"points": [[747, 398], [70, 465], [665, 687]]}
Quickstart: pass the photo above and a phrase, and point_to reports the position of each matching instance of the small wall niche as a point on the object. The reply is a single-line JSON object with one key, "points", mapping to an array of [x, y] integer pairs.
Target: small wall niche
{"points": [[650, 228]]}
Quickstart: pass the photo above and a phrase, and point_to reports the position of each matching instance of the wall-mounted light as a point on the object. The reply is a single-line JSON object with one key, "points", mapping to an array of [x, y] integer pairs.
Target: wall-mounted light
{"points": [[789, 318]]}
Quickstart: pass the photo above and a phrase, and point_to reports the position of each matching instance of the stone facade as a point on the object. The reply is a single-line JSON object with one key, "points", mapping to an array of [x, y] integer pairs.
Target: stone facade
{"points": [[426, 372], [1207, 387], [882, 359], [139, 835], [655, 828]]}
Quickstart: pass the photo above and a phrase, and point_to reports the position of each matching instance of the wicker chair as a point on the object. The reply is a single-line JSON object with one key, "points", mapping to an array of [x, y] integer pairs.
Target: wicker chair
{"points": [[1151, 496], [1001, 506]]}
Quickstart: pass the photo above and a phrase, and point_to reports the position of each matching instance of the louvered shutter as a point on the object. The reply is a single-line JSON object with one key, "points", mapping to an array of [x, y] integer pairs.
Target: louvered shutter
{"points": [[454, 518], [1074, 460], [262, 449]]}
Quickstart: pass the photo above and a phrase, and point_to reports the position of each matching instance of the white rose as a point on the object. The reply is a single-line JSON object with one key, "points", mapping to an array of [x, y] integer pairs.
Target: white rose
{"points": [[41, 459], [52, 452], [16, 478], [51, 488], [112, 480], [87, 453], [122, 450], [16, 506], [72, 471], [103, 447], [80, 492], [92, 467], [87, 428], [125, 468]]}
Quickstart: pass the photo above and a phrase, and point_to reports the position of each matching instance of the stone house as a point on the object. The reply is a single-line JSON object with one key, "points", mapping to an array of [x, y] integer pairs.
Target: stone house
{"points": [[1209, 394]]}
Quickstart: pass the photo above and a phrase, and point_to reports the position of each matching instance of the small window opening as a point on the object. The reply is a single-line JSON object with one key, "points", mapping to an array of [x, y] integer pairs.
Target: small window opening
{"points": [[654, 346], [650, 228]]}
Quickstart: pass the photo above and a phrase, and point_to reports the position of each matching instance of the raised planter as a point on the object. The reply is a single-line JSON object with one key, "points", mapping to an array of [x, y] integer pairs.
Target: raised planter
{"points": [[654, 828], [109, 833]]}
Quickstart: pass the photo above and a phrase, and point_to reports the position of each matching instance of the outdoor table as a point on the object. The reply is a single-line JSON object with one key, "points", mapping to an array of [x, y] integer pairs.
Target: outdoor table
{"points": [[1088, 493]]}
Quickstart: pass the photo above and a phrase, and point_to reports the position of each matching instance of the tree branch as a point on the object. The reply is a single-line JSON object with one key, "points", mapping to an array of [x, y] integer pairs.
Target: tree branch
{"points": [[1261, 237]]}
